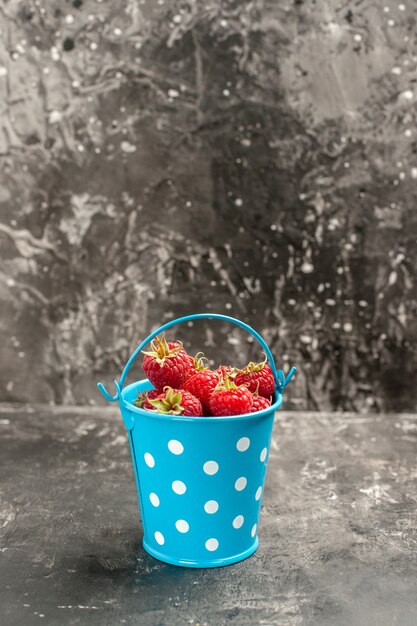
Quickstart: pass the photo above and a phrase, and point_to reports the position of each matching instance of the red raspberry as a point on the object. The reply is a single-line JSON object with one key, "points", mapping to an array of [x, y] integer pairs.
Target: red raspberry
{"points": [[142, 401], [229, 399], [190, 363], [197, 364], [201, 385], [177, 402], [225, 370], [257, 377], [260, 403], [167, 364]]}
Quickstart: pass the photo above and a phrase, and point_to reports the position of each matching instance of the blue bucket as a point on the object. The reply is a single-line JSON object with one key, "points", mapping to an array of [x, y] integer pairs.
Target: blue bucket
{"points": [[200, 480]]}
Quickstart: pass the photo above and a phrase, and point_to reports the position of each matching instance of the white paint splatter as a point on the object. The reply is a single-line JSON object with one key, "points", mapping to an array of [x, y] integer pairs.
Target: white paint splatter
{"points": [[127, 147], [307, 267], [55, 117], [55, 56], [407, 94]]}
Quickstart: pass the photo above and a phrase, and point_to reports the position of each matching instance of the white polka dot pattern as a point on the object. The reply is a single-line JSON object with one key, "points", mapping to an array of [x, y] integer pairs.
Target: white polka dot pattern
{"points": [[241, 483], [182, 526], [159, 538], [149, 460], [211, 467], [175, 446], [179, 487], [243, 444], [212, 544], [238, 521], [211, 506]]}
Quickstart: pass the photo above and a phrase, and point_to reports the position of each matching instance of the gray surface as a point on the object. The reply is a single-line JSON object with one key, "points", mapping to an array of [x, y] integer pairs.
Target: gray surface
{"points": [[338, 528]]}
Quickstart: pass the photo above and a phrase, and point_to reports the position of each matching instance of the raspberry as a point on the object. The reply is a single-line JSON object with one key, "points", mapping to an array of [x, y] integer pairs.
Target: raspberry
{"points": [[190, 363], [197, 364], [225, 370], [257, 377], [260, 403], [230, 399], [177, 402], [142, 401], [166, 364], [201, 385]]}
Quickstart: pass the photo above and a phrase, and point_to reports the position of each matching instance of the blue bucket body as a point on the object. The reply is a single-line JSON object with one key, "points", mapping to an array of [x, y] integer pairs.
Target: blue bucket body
{"points": [[200, 480]]}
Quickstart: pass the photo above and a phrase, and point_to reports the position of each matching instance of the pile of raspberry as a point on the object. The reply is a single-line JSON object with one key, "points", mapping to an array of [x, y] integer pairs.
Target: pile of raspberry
{"points": [[187, 386]]}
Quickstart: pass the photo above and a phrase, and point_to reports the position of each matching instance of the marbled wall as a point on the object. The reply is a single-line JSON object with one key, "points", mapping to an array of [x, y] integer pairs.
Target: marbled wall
{"points": [[250, 157]]}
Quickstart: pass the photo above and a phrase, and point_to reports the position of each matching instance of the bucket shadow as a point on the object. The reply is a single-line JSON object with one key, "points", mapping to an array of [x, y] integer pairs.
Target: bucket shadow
{"points": [[115, 570]]}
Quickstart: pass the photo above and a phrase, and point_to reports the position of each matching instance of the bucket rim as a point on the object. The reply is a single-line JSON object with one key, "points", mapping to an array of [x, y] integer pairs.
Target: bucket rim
{"points": [[192, 418]]}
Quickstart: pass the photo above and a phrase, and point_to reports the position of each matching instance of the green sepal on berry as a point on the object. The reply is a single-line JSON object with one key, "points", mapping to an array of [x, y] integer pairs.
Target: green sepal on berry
{"points": [[144, 397], [225, 382], [252, 367], [201, 362], [140, 400], [227, 370], [170, 403], [161, 350], [177, 402]]}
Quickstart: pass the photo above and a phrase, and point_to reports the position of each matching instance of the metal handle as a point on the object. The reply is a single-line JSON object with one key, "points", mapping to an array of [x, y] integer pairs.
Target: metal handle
{"points": [[281, 381]]}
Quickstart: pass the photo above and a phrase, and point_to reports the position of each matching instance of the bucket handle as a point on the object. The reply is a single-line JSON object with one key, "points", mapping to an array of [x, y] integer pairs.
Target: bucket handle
{"points": [[281, 381]]}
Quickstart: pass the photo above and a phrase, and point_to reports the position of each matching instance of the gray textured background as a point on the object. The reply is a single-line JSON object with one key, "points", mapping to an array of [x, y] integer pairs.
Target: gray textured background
{"points": [[254, 158]]}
